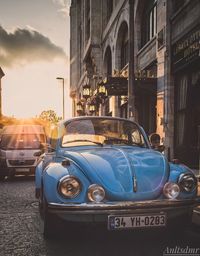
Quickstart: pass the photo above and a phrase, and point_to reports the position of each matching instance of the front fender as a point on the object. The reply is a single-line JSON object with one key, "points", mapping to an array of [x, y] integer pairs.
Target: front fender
{"points": [[38, 176]]}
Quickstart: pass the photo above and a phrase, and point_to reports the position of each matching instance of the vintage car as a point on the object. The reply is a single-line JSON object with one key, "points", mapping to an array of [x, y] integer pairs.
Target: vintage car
{"points": [[18, 143], [103, 170]]}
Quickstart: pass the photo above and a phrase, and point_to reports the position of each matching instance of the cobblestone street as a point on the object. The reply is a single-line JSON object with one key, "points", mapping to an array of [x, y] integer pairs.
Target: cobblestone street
{"points": [[20, 233]]}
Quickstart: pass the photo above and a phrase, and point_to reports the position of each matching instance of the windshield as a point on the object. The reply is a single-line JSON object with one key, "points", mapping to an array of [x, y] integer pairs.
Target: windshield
{"points": [[102, 131], [21, 141]]}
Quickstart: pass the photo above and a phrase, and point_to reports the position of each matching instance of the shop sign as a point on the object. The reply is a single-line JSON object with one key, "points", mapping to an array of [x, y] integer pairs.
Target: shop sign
{"points": [[186, 50], [116, 86]]}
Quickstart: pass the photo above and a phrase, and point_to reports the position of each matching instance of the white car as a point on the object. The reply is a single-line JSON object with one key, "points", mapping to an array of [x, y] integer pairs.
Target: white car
{"points": [[18, 144]]}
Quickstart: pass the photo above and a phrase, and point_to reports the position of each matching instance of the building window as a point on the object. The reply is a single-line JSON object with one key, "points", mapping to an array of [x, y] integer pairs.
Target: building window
{"points": [[149, 22], [108, 72], [124, 50], [109, 8], [108, 62]]}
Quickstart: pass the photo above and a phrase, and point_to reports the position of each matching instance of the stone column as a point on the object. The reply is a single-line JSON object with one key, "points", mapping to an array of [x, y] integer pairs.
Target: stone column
{"points": [[169, 89]]}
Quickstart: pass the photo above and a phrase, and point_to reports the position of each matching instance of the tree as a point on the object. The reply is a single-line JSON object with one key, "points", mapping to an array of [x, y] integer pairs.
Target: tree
{"points": [[50, 116]]}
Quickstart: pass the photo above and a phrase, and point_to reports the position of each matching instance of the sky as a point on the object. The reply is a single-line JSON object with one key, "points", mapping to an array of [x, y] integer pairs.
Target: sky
{"points": [[34, 50]]}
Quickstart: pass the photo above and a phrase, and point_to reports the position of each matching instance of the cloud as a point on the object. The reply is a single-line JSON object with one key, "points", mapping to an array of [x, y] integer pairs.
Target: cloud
{"points": [[62, 2], [64, 6], [27, 45]]}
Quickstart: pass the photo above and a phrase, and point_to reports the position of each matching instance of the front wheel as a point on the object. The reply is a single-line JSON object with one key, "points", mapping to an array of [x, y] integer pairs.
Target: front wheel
{"points": [[48, 221], [2, 177]]}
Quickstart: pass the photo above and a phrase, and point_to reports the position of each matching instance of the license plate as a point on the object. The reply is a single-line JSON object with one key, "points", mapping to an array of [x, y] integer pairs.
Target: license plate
{"points": [[136, 221], [22, 170]]}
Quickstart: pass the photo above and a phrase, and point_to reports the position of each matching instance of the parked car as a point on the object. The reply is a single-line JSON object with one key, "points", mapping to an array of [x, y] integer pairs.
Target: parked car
{"points": [[103, 170], [18, 143]]}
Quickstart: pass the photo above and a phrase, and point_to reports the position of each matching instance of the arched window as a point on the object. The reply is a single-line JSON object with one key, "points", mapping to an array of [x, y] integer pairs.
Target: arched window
{"points": [[109, 8], [124, 49], [108, 62]]}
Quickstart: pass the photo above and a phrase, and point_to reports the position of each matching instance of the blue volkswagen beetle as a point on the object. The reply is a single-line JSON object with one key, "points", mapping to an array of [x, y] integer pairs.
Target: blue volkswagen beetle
{"points": [[103, 170]]}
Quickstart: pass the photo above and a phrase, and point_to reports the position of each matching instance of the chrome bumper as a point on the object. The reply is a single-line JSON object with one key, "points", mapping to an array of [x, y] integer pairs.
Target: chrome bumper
{"points": [[122, 207]]}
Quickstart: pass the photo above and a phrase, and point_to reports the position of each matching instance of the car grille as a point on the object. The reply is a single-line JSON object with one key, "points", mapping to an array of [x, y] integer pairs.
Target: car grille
{"points": [[21, 162]]}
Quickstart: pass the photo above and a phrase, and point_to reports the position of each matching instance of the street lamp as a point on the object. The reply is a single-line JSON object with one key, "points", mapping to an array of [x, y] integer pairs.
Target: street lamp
{"points": [[63, 83]]}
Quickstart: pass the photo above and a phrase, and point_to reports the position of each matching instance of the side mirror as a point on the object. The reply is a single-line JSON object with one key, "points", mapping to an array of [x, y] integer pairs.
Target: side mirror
{"points": [[38, 154], [160, 148]]}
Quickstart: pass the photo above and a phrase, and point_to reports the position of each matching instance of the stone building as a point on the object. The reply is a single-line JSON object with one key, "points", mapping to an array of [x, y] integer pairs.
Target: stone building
{"points": [[146, 54]]}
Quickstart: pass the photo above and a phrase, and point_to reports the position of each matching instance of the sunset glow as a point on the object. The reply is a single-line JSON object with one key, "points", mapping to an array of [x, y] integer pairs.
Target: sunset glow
{"points": [[33, 52]]}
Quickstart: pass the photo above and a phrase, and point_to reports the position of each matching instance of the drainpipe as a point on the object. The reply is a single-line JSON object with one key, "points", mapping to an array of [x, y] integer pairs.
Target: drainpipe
{"points": [[131, 76]]}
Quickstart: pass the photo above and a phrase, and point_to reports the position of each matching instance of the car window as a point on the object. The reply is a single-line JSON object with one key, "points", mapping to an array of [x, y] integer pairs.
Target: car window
{"points": [[101, 130], [21, 141]]}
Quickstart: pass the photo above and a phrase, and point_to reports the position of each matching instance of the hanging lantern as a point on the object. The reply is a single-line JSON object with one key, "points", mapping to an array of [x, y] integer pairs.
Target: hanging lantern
{"points": [[123, 100], [102, 89], [86, 91], [79, 108], [92, 107]]}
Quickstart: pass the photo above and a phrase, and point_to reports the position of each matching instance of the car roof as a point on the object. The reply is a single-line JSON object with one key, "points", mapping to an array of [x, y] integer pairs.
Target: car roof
{"points": [[95, 117]]}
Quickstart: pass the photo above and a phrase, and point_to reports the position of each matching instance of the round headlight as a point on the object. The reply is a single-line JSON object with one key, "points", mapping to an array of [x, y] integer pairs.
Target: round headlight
{"points": [[187, 182], [69, 187], [96, 193], [171, 190]]}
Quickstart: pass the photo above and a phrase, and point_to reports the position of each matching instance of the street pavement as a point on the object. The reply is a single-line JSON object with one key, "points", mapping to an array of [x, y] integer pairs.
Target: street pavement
{"points": [[20, 233]]}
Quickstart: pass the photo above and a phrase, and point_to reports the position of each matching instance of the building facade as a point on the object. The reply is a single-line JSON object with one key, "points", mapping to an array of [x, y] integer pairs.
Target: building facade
{"points": [[145, 53]]}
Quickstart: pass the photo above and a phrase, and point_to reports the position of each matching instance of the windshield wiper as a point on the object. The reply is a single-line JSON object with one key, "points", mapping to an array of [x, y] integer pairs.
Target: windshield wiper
{"points": [[95, 142]]}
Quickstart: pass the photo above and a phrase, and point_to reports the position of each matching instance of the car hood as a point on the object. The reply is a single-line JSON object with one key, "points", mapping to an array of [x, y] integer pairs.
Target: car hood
{"points": [[125, 173]]}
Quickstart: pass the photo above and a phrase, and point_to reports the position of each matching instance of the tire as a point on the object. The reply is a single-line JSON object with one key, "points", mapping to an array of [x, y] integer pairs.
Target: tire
{"points": [[11, 173], [2, 177], [48, 221]]}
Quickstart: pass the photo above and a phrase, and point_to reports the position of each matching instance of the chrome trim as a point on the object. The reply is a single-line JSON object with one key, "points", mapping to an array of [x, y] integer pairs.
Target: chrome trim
{"points": [[103, 208], [181, 178]]}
